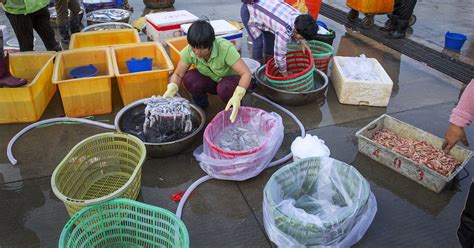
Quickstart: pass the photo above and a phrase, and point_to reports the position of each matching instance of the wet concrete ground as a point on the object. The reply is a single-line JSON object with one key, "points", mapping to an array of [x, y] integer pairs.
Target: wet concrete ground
{"points": [[229, 214], [434, 19]]}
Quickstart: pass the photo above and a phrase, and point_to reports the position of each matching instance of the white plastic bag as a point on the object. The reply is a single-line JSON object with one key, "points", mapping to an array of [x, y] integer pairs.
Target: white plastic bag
{"points": [[360, 68], [317, 202], [309, 146], [240, 165]]}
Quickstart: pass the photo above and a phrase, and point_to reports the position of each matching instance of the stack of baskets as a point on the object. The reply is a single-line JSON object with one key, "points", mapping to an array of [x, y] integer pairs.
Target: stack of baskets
{"points": [[300, 67], [124, 223], [321, 51], [98, 169]]}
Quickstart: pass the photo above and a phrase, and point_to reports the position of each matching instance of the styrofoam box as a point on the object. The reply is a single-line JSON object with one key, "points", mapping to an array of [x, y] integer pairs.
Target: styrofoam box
{"points": [[220, 27], [361, 92], [166, 25], [223, 29]]}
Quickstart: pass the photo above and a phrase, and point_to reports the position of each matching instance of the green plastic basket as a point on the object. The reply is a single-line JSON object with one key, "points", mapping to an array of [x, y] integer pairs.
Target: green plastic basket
{"points": [[322, 53], [297, 180], [124, 223], [99, 168]]}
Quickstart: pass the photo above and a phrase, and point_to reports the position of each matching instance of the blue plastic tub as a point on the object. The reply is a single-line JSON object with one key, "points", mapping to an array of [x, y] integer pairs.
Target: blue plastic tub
{"points": [[84, 71], [138, 65], [454, 41]]}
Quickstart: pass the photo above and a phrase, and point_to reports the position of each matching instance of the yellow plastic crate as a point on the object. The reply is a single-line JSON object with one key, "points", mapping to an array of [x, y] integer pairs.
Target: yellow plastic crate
{"points": [[89, 95], [176, 45], [104, 38], [27, 103], [138, 85]]}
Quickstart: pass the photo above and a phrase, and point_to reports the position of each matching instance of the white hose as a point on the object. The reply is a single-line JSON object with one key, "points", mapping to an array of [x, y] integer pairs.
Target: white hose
{"points": [[193, 186], [39, 123], [286, 111]]}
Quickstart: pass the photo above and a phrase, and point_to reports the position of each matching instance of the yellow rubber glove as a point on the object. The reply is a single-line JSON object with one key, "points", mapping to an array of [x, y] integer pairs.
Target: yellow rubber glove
{"points": [[171, 90], [234, 101]]}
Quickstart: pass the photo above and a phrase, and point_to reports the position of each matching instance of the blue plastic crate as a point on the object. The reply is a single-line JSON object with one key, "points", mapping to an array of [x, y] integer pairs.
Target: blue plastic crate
{"points": [[138, 65]]}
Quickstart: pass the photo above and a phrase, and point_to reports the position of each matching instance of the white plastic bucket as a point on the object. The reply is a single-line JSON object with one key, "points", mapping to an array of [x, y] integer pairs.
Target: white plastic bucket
{"points": [[252, 64]]}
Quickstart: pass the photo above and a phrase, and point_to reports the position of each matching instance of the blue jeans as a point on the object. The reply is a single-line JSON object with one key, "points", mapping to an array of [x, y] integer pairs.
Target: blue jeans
{"points": [[261, 45]]}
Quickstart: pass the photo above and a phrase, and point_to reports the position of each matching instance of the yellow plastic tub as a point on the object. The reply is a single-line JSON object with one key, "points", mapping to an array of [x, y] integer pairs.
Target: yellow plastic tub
{"points": [[176, 45], [89, 95], [27, 103], [138, 85], [104, 38]]}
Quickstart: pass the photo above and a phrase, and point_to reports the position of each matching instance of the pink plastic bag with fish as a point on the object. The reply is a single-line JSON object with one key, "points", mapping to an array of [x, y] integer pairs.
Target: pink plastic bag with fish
{"points": [[241, 150]]}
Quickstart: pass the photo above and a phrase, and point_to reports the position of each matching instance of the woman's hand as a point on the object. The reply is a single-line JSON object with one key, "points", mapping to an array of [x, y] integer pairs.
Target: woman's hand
{"points": [[304, 46], [452, 136]]}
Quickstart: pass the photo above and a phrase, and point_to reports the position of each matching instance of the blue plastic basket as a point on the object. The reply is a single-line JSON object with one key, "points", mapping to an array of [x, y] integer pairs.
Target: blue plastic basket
{"points": [[454, 41], [138, 65], [84, 71]]}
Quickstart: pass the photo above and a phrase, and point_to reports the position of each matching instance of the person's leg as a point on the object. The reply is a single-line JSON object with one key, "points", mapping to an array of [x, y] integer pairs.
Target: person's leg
{"points": [[391, 23], [396, 7], [199, 86], [269, 46], [226, 87], [74, 21], [466, 227], [23, 27], [406, 10], [62, 20], [257, 44], [41, 24]]}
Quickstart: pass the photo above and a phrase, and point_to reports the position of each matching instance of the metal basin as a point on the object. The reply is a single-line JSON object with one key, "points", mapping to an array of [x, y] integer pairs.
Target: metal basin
{"points": [[293, 98], [107, 26], [135, 111], [108, 15]]}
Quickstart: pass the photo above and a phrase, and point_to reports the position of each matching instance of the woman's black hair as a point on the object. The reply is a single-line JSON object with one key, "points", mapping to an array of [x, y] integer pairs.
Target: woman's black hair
{"points": [[306, 27], [201, 35]]}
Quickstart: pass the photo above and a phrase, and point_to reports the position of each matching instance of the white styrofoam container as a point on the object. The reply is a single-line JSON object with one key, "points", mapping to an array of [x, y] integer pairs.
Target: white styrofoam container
{"points": [[361, 92], [234, 38], [223, 29], [220, 27], [165, 25]]}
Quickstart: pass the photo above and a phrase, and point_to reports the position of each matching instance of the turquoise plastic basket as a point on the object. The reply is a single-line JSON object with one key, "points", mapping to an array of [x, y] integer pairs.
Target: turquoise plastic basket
{"points": [[124, 223]]}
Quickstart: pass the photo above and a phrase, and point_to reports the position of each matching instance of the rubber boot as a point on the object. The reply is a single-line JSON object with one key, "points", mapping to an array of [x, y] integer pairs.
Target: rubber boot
{"points": [[402, 26], [391, 24], [201, 101], [75, 25], [7, 80], [64, 32]]}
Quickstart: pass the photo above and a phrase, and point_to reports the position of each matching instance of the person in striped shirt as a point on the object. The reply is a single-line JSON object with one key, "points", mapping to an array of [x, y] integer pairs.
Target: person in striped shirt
{"points": [[271, 24]]}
